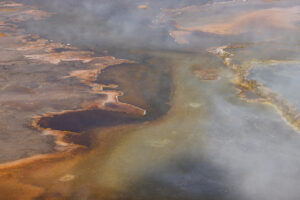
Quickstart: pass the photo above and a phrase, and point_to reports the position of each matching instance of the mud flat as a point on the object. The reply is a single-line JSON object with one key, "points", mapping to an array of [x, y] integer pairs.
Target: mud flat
{"points": [[47, 88], [38, 77]]}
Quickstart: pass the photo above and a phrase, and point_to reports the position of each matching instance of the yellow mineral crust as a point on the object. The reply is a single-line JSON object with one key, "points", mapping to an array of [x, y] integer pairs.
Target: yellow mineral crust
{"points": [[254, 91]]}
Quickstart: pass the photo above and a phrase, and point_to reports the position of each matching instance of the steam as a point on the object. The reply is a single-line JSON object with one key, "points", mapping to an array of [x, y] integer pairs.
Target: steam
{"points": [[119, 23], [256, 154]]}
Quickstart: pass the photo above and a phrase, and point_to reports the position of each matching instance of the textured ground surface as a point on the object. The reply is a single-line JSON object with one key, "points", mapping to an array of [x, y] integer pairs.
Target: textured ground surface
{"points": [[204, 103]]}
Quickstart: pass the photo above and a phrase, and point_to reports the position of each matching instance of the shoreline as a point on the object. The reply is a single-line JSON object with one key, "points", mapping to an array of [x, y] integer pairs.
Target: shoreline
{"points": [[47, 53]]}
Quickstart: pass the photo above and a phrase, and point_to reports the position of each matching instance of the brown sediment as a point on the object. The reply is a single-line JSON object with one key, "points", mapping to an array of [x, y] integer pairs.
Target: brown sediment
{"points": [[168, 14], [56, 58], [41, 158], [6, 28], [92, 114], [33, 42], [37, 14], [19, 179], [143, 7], [249, 95], [180, 36], [85, 75], [29, 191], [281, 18], [112, 99], [88, 76], [241, 21], [153, 90], [41, 51], [11, 4], [253, 90], [206, 74], [23, 13], [34, 176], [8, 9], [28, 177], [64, 125]]}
